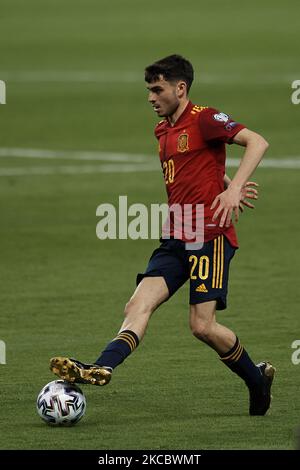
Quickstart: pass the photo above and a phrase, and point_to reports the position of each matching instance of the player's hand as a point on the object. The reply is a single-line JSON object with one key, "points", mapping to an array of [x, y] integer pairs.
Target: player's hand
{"points": [[248, 192], [227, 203]]}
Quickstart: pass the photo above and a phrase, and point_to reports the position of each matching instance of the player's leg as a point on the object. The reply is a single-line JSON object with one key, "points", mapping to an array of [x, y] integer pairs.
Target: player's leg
{"points": [[165, 273], [204, 326], [209, 270], [258, 378], [149, 294]]}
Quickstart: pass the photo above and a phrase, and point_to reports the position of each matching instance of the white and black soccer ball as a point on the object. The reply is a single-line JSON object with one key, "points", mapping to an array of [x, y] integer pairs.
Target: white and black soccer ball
{"points": [[61, 403]]}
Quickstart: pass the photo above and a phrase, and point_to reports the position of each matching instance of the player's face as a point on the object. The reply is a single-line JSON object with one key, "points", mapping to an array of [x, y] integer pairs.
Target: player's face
{"points": [[163, 96]]}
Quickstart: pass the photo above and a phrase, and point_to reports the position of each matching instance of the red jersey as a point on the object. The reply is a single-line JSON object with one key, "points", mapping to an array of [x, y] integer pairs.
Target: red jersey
{"points": [[192, 155]]}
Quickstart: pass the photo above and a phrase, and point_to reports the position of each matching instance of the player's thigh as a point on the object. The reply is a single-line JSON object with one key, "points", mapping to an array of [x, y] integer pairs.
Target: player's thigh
{"points": [[168, 261], [148, 295], [203, 313]]}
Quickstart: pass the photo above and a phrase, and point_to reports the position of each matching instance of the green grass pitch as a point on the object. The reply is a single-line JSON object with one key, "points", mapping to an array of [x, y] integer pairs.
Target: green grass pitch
{"points": [[74, 76]]}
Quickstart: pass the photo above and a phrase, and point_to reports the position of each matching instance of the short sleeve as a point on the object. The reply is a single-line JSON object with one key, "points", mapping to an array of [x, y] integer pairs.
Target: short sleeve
{"points": [[217, 126]]}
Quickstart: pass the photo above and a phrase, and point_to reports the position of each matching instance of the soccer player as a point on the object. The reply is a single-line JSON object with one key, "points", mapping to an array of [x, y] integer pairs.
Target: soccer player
{"points": [[192, 153]]}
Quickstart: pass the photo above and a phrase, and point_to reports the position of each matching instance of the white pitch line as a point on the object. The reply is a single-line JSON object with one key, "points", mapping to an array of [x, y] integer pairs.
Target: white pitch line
{"points": [[282, 162], [77, 169], [86, 155], [120, 162], [72, 155]]}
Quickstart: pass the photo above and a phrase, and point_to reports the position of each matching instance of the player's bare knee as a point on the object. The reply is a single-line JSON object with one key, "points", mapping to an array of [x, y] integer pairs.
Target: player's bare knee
{"points": [[202, 330]]}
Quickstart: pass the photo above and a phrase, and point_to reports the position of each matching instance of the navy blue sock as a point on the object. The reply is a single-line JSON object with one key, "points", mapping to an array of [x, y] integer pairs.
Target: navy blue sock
{"points": [[240, 363], [118, 349]]}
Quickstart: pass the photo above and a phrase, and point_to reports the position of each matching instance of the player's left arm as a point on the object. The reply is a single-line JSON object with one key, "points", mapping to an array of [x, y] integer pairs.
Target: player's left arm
{"points": [[249, 191], [228, 201]]}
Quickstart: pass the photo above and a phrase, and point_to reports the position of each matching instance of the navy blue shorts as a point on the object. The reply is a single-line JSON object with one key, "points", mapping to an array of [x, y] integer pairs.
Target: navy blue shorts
{"points": [[207, 269]]}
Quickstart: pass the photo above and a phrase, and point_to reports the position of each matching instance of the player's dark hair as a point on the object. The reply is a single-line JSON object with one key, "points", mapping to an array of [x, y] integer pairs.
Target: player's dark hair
{"points": [[173, 68]]}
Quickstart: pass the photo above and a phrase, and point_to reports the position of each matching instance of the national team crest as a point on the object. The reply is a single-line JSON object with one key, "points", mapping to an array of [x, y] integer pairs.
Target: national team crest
{"points": [[183, 143]]}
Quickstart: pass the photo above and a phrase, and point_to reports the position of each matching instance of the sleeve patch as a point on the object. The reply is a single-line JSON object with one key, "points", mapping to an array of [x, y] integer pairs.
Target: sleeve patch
{"points": [[221, 117]]}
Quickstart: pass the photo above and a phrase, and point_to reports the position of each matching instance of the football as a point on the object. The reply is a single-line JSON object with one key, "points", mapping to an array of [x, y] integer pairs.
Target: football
{"points": [[61, 403]]}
